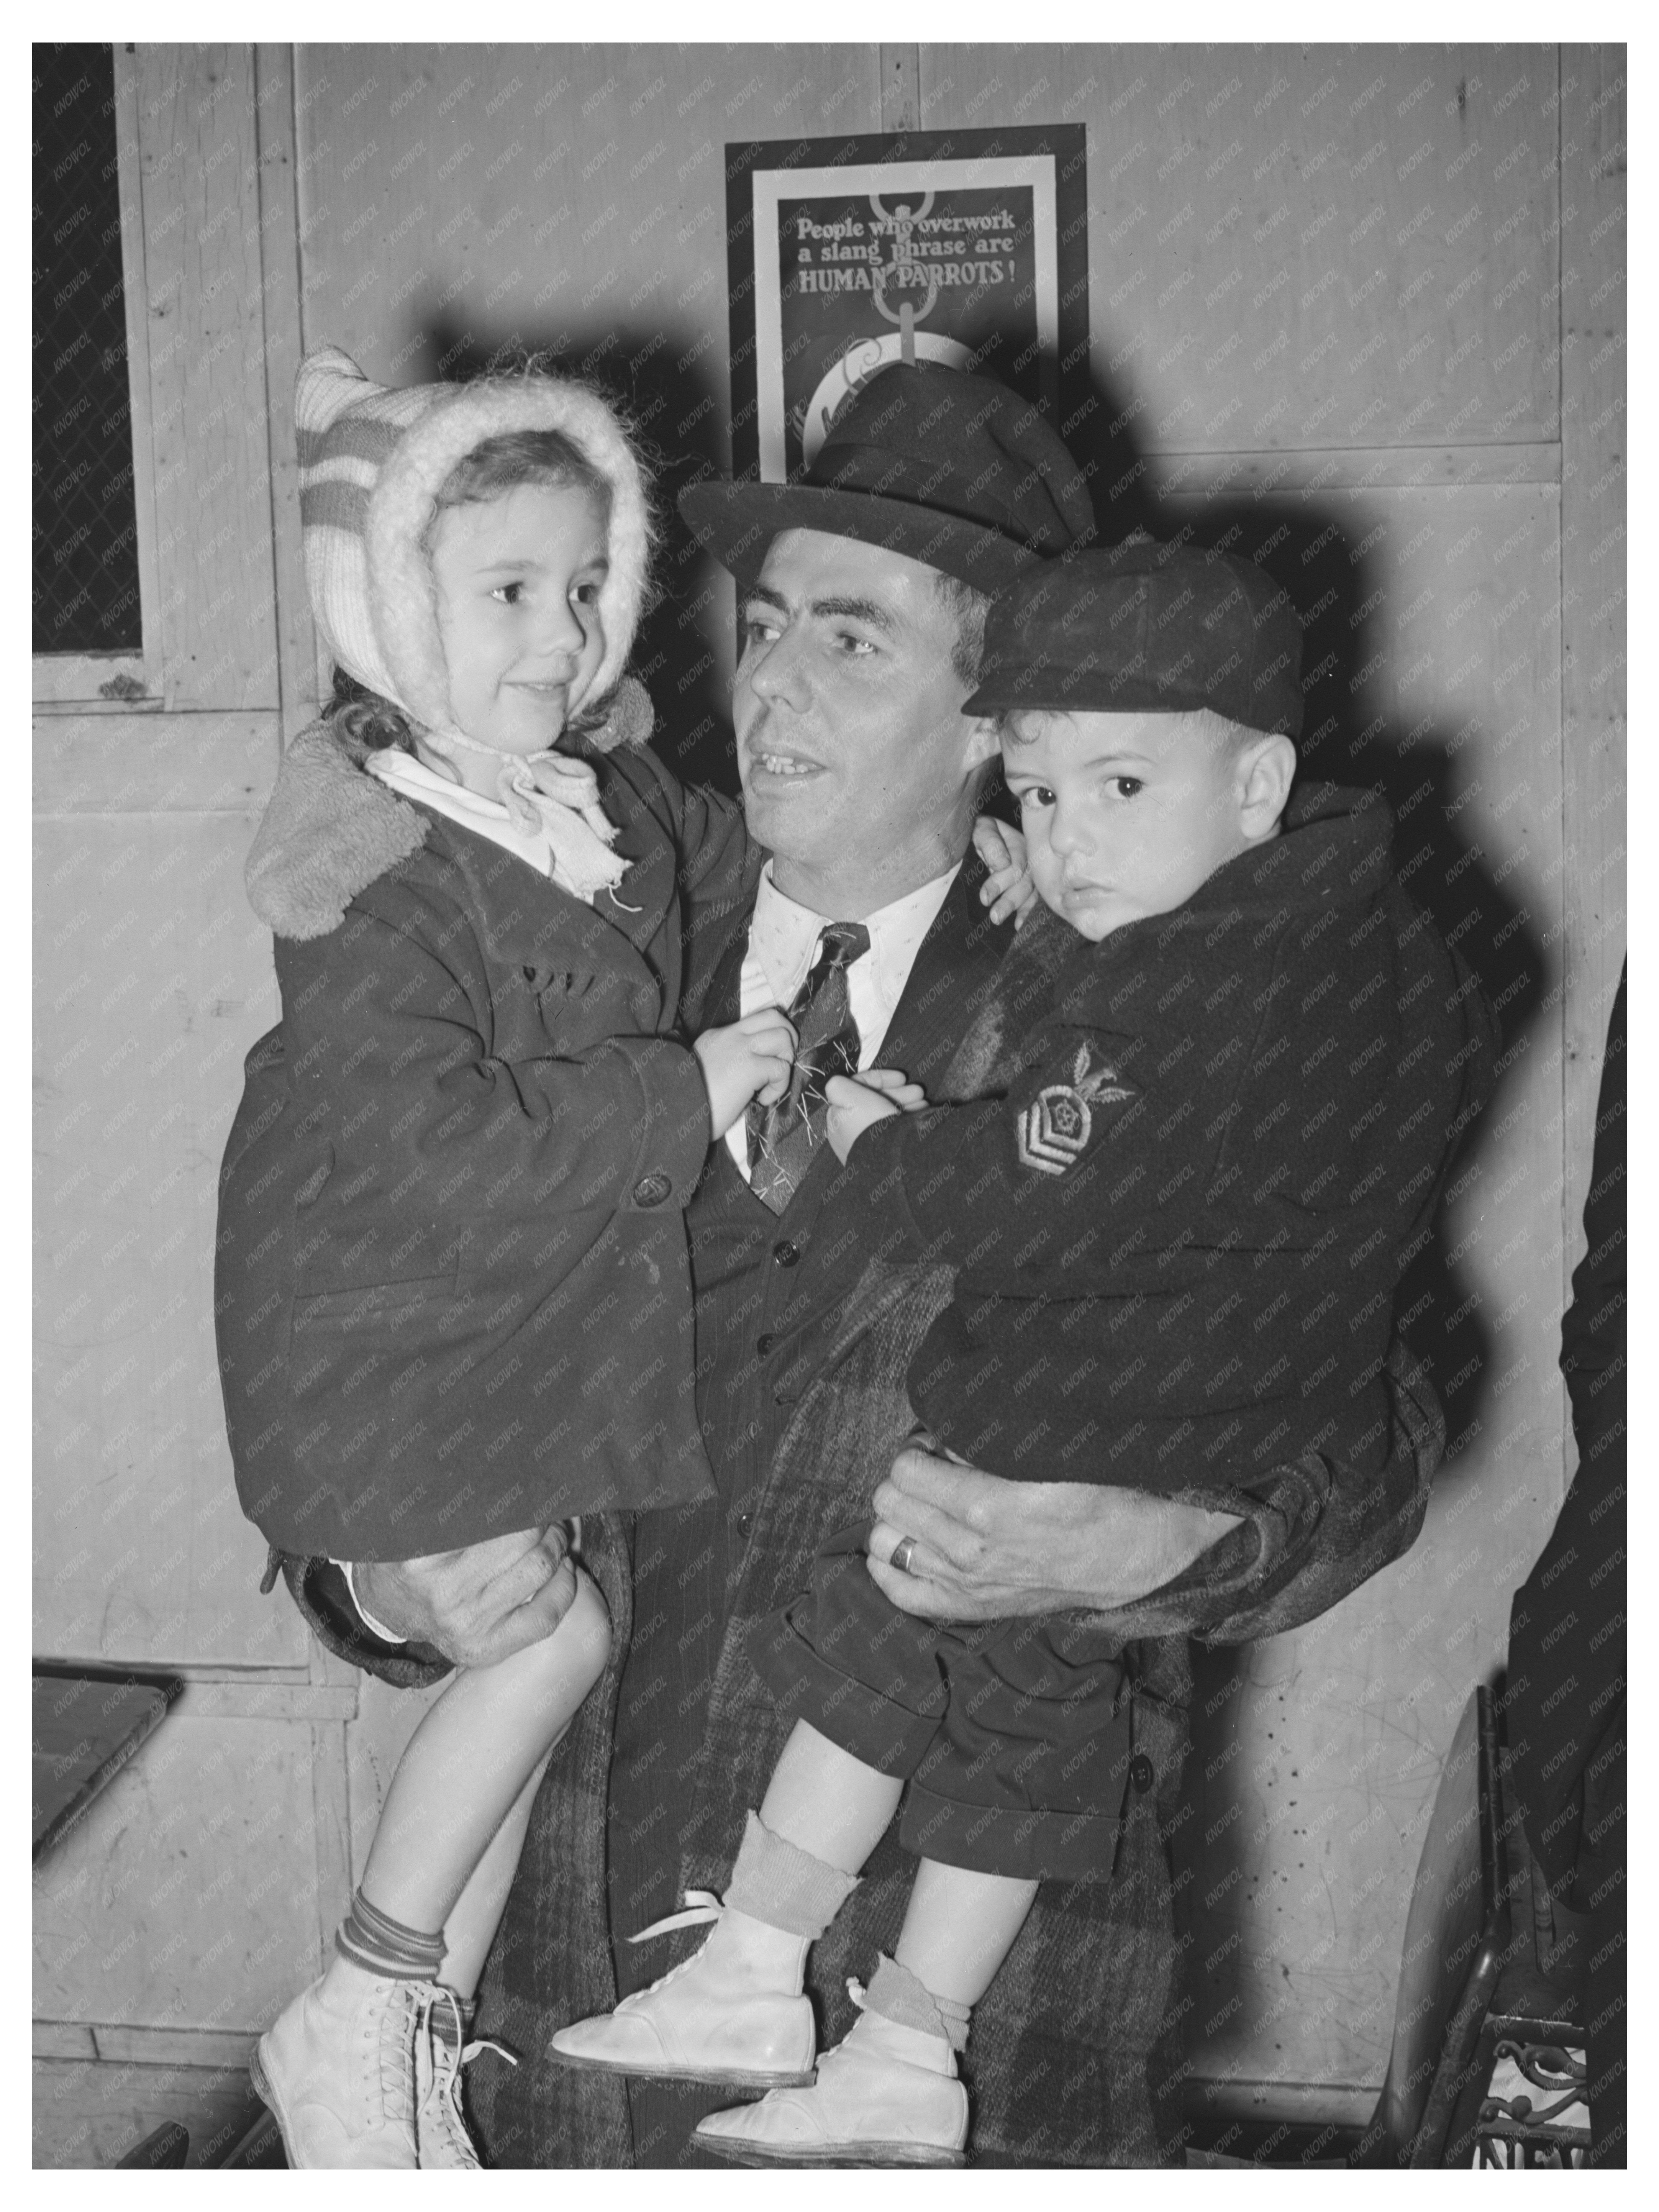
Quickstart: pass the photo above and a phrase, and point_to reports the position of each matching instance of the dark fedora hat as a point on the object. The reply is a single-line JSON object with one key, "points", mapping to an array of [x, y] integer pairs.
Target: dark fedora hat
{"points": [[1146, 628], [951, 470]]}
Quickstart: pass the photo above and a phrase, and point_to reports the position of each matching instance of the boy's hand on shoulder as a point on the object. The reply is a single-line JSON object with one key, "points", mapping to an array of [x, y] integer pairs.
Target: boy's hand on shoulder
{"points": [[745, 1060], [1009, 888], [856, 1102]]}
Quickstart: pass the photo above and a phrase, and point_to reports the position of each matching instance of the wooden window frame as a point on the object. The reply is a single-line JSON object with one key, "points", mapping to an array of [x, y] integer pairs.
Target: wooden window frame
{"points": [[127, 682]]}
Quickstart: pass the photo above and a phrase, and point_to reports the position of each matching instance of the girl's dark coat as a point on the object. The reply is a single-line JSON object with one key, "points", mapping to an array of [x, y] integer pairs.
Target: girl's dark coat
{"points": [[452, 1288]]}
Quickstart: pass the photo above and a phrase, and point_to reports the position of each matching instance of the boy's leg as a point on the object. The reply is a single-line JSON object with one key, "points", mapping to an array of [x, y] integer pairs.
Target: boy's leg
{"points": [[1023, 1779], [888, 2094], [736, 2011], [959, 1926], [824, 1800]]}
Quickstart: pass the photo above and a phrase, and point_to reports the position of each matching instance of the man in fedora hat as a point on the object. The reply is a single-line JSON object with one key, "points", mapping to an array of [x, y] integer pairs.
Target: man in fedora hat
{"points": [[863, 590]]}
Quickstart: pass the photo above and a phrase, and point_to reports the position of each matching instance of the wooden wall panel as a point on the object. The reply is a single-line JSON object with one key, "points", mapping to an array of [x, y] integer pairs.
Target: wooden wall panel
{"points": [[1594, 319], [198, 161], [181, 1901], [1291, 246], [156, 978]]}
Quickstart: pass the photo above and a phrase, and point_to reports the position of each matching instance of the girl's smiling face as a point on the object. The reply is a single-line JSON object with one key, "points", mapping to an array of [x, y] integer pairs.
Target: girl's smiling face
{"points": [[517, 582]]}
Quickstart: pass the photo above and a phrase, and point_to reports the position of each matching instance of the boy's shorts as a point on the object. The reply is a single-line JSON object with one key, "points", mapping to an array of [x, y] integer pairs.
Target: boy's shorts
{"points": [[1014, 1735]]}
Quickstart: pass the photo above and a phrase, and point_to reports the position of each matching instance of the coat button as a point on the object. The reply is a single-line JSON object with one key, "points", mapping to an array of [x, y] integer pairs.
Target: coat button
{"points": [[745, 1522], [652, 1189], [1142, 1772], [786, 1253], [763, 1344]]}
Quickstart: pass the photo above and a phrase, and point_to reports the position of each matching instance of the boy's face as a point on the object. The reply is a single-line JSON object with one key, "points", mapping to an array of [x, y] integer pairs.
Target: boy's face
{"points": [[1125, 815], [519, 580]]}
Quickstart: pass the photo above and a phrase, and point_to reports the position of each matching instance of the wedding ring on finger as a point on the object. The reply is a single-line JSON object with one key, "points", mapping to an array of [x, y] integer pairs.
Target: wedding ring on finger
{"points": [[903, 1553]]}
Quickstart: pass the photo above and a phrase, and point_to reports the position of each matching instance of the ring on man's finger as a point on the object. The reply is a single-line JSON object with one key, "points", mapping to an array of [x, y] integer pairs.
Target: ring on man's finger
{"points": [[903, 1553]]}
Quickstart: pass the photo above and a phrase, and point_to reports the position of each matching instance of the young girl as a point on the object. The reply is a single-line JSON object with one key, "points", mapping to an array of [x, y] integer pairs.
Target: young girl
{"points": [[453, 1297]]}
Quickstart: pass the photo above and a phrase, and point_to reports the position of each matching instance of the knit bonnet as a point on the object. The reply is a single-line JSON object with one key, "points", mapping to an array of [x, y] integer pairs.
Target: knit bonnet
{"points": [[372, 463]]}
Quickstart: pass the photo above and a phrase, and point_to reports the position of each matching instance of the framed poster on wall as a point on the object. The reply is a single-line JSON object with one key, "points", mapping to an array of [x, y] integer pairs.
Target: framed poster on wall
{"points": [[968, 248]]}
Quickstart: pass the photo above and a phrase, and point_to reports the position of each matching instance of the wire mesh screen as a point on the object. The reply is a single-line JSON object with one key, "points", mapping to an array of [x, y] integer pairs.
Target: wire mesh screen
{"points": [[85, 551]]}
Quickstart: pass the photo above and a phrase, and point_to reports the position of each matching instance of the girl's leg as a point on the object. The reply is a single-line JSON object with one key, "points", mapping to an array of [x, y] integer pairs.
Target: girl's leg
{"points": [[470, 1761], [342, 2066], [470, 1928]]}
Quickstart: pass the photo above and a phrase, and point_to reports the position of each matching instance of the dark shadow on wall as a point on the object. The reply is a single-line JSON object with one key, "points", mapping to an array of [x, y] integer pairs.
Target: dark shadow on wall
{"points": [[1337, 587], [1422, 773]]}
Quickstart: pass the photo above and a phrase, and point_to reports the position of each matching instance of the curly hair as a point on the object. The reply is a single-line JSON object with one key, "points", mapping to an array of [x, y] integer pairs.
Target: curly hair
{"points": [[366, 719]]}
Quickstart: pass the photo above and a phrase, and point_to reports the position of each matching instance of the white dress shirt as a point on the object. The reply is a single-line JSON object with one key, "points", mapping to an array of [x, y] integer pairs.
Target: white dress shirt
{"points": [[783, 944]]}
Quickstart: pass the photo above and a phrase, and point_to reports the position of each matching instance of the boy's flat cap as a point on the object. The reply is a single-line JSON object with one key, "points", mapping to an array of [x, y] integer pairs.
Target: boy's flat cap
{"points": [[1144, 628]]}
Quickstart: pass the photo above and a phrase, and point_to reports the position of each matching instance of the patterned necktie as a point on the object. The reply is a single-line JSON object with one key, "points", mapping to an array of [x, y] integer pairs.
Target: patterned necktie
{"points": [[783, 1138]]}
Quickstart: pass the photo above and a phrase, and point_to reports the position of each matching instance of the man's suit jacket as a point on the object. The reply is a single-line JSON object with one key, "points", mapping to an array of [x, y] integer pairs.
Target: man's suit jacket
{"points": [[802, 1353]]}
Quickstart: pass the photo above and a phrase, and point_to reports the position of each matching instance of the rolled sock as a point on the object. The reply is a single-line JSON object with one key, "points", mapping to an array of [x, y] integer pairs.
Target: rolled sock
{"points": [[897, 1995], [454, 2027], [787, 1888], [380, 1945]]}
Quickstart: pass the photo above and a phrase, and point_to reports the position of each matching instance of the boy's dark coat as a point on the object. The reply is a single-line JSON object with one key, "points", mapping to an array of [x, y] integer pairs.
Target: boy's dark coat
{"points": [[1207, 1149]]}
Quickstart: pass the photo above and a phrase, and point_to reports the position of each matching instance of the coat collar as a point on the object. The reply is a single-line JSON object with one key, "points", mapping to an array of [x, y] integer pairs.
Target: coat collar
{"points": [[330, 830]]}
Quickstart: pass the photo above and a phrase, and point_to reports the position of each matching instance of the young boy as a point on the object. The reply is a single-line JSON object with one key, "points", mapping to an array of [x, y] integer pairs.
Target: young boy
{"points": [[1212, 1104]]}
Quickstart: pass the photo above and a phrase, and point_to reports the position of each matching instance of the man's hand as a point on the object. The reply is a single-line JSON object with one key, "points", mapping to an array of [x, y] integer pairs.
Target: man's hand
{"points": [[857, 1102], [987, 1547], [480, 1604]]}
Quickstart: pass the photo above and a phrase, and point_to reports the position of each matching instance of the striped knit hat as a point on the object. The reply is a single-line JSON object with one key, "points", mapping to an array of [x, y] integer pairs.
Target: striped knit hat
{"points": [[372, 463]]}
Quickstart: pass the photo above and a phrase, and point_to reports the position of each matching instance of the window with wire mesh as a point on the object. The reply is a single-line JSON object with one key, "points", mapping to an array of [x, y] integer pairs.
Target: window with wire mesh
{"points": [[85, 551]]}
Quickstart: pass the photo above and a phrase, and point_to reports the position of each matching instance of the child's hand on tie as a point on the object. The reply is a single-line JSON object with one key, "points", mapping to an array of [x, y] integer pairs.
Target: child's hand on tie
{"points": [[1010, 889], [750, 1059], [856, 1101]]}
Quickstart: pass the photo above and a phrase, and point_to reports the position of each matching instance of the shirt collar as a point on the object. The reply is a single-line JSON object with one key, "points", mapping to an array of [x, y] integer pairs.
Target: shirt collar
{"points": [[783, 936], [459, 803]]}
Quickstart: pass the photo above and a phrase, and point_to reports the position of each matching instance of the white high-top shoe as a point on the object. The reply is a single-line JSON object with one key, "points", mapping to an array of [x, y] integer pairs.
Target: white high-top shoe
{"points": [[441, 2050], [337, 2071], [887, 2096], [733, 2012]]}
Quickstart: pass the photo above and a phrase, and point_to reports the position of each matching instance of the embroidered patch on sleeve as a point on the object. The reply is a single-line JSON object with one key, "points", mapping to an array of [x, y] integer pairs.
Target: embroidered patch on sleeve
{"points": [[1054, 1129]]}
